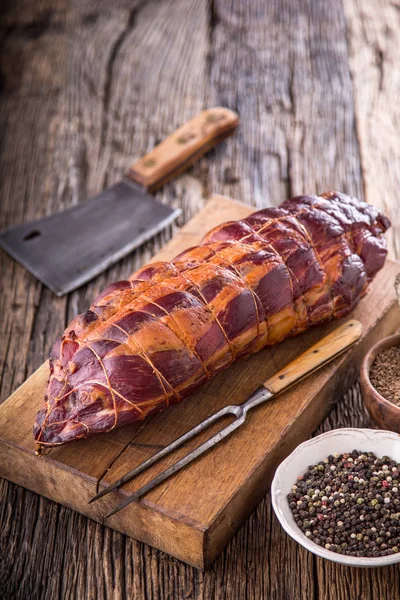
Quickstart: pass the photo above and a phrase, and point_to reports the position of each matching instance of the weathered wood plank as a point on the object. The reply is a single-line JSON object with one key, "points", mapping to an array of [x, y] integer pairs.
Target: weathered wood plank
{"points": [[193, 515], [250, 54], [26, 103], [374, 58], [283, 66]]}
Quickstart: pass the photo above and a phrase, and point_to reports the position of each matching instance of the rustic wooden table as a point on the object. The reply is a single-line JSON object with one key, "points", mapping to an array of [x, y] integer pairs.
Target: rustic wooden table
{"points": [[86, 86]]}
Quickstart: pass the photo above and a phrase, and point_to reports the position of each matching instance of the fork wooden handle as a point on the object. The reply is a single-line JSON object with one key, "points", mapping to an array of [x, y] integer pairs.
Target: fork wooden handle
{"points": [[312, 359], [184, 147]]}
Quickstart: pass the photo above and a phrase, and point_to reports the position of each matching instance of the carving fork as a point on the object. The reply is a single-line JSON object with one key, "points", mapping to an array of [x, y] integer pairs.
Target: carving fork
{"points": [[312, 359]]}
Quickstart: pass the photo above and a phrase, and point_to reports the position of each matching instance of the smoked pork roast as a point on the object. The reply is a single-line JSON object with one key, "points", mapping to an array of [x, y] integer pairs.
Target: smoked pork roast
{"points": [[148, 342]]}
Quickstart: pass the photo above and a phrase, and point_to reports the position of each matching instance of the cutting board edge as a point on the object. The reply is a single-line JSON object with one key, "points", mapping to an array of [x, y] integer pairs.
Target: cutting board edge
{"points": [[205, 542], [4, 405], [207, 546], [64, 468], [87, 487]]}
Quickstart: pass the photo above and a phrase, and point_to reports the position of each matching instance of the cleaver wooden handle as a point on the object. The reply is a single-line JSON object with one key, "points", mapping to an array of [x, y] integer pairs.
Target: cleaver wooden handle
{"points": [[183, 147], [312, 359]]}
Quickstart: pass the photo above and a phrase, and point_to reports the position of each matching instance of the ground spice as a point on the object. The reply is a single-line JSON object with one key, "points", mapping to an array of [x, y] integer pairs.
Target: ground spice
{"points": [[350, 504], [385, 374]]}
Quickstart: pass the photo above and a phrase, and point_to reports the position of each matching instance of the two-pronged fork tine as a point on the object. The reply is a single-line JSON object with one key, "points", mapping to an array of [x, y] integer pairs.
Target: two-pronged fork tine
{"points": [[167, 450], [315, 357], [240, 419]]}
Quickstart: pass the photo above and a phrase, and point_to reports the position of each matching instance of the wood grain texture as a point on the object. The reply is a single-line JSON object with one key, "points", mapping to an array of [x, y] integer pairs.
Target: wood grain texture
{"points": [[374, 56], [325, 350], [77, 101], [193, 515]]}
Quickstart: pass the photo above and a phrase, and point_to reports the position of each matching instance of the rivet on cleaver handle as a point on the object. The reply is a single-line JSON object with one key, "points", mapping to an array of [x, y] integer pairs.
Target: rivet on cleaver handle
{"points": [[71, 247], [184, 147]]}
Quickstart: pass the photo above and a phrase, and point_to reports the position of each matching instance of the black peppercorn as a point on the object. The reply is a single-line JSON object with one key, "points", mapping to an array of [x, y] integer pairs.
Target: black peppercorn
{"points": [[350, 504]]}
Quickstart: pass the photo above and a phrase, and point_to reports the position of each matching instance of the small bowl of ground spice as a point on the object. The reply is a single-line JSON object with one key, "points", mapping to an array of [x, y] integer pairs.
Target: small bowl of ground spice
{"points": [[380, 383], [338, 495]]}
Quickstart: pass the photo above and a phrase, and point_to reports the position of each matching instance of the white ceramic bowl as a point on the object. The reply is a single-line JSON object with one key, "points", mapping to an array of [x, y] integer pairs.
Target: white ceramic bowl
{"points": [[382, 443]]}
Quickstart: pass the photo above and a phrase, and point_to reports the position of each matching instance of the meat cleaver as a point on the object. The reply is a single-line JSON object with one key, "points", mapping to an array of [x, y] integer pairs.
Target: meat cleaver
{"points": [[71, 247]]}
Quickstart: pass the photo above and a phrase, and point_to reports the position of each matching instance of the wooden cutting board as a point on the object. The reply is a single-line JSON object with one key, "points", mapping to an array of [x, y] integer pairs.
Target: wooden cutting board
{"points": [[193, 515]]}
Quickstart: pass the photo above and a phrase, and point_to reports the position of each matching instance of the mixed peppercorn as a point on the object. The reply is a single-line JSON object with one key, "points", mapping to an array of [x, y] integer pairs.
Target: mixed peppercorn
{"points": [[350, 503]]}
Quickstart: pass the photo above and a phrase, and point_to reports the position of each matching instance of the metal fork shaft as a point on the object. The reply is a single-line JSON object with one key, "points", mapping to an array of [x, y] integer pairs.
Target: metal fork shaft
{"points": [[168, 449], [180, 464], [240, 411]]}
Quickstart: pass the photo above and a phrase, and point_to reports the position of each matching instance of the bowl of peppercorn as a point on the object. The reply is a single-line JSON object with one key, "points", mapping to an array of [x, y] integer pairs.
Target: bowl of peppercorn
{"points": [[380, 383], [338, 495]]}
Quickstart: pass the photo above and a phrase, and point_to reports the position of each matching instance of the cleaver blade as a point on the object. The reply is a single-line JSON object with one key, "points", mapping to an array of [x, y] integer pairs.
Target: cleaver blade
{"points": [[71, 247]]}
